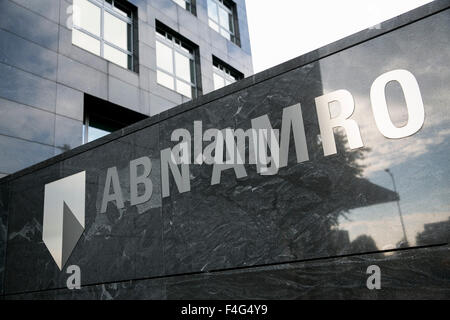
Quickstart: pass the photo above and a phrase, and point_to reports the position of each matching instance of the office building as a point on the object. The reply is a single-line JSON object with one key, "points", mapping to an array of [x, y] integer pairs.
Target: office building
{"points": [[73, 71]]}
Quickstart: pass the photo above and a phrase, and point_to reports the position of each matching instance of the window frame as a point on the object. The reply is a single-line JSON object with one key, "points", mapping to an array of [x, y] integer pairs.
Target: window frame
{"points": [[172, 44], [104, 6], [86, 127], [190, 5], [95, 117], [225, 72], [221, 4]]}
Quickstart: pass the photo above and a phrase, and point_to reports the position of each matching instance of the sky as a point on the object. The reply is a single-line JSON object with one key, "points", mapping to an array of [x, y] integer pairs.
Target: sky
{"points": [[284, 29]]}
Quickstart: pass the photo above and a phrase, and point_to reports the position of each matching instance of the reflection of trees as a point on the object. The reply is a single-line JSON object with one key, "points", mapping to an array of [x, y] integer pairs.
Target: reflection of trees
{"points": [[344, 189], [295, 213], [352, 158], [363, 243]]}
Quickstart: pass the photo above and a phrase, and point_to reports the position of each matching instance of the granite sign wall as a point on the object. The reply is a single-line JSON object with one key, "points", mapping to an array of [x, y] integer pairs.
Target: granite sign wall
{"points": [[374, 190]]}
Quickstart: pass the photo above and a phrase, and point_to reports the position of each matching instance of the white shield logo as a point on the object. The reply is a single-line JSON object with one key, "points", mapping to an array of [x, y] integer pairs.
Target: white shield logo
{"points": [[64, 215]]}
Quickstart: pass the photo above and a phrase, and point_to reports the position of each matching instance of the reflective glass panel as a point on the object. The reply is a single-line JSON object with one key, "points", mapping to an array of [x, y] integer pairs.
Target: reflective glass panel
{"points": [[115, 56], [165, 79], [218, 81], [184, 88], [86, 42], [182, 66], [95, 133], [164, 57], [225, 33], [228, 81], [87, 16], [212, 10], [116, 31], [224, 18], [213, 25]]}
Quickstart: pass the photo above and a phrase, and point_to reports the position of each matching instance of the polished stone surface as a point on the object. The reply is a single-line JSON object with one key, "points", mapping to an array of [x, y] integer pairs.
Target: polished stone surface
{"points": [[280, 236], [415, 274], [410, 274], [328, 206], [26, 252]]}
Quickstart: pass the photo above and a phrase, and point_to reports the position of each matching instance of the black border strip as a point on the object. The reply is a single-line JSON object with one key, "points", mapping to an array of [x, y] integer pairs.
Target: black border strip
{"points": [[332, 48]]}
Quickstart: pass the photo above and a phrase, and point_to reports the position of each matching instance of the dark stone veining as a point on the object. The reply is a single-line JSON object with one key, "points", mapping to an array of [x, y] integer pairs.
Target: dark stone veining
{"points": [[410, 274]]}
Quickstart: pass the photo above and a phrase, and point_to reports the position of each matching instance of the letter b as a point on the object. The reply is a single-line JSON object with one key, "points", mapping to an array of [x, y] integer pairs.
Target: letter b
{"points": [[143, 179]]}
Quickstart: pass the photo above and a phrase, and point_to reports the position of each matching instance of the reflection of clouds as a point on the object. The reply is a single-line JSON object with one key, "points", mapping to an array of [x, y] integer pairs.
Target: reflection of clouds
{"points": [[41, 130], [27, 56], [422, 49], [387, 232], [21, 154], [386, 153]]}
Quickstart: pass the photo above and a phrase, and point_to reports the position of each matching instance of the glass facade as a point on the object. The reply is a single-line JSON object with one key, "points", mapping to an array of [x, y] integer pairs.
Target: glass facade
{"points": [[175, 62], [104, 27]]}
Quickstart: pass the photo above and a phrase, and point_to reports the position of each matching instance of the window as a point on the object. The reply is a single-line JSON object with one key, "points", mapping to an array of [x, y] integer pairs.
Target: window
{"points": [[175, 63], [221, 17], [102, 117], [105, 28], [223, 74], [189, 5]]}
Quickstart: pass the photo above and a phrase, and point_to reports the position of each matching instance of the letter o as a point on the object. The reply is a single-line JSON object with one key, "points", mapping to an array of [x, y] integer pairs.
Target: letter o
{"points": [[414, 104]]}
